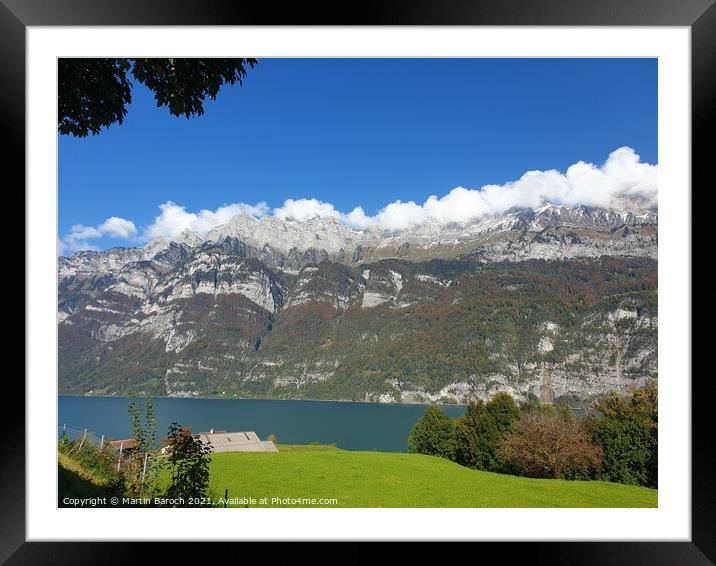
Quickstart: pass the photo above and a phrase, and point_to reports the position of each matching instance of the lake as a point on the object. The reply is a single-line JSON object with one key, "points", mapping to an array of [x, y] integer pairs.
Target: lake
{"points": [[351, 426]]}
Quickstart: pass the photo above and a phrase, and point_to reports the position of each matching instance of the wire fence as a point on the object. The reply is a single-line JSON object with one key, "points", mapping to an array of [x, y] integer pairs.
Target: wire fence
{"points": [[74, 439], [73, 435], [121, 455]]}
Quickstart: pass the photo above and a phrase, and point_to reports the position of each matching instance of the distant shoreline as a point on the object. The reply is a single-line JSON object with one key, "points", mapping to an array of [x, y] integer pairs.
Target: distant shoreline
{"points": [[259, 399]]}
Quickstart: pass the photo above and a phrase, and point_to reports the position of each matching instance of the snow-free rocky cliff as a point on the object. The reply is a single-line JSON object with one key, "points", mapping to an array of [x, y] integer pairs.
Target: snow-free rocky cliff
{"points": [[559, 298]]}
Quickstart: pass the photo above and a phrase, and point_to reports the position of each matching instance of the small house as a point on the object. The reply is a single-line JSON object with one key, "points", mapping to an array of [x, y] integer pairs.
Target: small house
{"points": [[223, 441]]}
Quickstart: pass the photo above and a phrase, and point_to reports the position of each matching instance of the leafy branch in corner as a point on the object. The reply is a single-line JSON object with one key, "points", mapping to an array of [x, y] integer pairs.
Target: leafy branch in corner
{"points": [[94, 93]]}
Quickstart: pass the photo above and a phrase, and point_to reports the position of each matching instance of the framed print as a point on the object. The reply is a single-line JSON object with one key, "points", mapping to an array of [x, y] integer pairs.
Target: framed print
{"points": [[393, 278]]}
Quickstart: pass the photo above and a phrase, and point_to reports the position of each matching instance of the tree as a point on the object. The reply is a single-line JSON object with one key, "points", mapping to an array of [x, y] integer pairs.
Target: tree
{"points": [[481, 429], [627, 430], [503, 409], [94, 93], [189, 460], [143, 428], [142, 468], [548, 444], [434, 434]]}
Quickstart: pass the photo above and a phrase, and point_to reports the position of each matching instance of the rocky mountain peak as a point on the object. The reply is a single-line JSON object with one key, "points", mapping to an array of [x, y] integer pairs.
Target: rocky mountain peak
{"points": [[190, 238], [289, 244]]}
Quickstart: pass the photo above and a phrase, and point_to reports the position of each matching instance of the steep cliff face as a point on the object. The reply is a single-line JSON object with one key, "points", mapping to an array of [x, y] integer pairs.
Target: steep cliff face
{"points": [[528, 302]]}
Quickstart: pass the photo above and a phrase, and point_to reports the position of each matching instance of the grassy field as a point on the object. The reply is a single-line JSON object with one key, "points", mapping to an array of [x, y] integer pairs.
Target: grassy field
{"points": [[383, 479], [371, 479]]}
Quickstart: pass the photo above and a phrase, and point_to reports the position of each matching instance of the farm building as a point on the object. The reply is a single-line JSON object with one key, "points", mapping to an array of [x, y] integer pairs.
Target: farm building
{"points": [[126, 445], [222, 441]]}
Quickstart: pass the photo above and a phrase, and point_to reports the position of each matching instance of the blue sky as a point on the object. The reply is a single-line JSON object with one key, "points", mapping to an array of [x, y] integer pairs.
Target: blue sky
{"points": [[357, 132]]}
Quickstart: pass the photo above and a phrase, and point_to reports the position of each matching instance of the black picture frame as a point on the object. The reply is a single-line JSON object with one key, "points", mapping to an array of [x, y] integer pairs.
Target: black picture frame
{"points": [[699, 15]]}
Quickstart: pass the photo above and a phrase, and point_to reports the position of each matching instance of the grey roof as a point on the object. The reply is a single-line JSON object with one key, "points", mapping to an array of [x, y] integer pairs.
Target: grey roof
{"points": [[236, 442]]}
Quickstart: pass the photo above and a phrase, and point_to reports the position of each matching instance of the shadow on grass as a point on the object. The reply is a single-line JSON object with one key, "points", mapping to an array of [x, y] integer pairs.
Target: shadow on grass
{"points": [[70, 484]]}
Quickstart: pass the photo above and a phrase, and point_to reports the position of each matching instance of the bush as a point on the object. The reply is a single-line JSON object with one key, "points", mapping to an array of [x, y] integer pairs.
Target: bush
{"points": [[434, 434], [189, 461], [547, 444]]}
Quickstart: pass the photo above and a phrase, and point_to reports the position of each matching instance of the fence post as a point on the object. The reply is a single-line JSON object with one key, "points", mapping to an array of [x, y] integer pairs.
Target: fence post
{"points": [[101, 443], [83, 440], [121, 447], [226, 497]]}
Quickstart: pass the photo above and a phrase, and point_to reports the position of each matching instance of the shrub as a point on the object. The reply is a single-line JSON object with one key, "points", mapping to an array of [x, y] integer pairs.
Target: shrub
{"points": [[547, 444], [434, 434], [189, 461]]}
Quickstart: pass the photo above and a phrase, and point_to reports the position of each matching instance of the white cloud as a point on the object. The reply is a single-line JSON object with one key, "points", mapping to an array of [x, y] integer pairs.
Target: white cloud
{"points": [[174, 219], [622, 181], [77, 239], [398, 215], [304, 209], [118, 228], [357, 217], [171, 222]]}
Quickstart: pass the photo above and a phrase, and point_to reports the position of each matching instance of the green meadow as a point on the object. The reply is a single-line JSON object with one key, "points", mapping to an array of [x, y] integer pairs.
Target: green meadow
{"points": [[386, 479], [302, 476]]}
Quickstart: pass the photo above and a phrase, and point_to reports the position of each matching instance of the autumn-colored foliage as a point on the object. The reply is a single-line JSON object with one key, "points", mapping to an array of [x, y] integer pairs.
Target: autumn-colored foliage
{"points": [[550, 444]]}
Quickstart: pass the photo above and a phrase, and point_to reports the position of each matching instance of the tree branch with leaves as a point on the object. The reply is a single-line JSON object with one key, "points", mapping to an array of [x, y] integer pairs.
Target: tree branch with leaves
{"points": [[94, 93]]}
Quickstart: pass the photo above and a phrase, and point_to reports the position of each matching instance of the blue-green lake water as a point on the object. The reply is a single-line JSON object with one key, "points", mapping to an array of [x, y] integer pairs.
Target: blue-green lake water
{"points": [[351, 426]]}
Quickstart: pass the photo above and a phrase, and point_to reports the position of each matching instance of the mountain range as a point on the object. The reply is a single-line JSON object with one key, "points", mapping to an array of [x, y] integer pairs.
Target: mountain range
{"points": [[554, 302]]}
